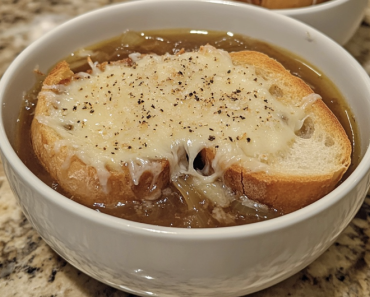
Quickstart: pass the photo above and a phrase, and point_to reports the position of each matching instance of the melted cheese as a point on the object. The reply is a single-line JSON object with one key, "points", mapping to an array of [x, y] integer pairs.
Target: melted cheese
{"points": [[170, 107]]}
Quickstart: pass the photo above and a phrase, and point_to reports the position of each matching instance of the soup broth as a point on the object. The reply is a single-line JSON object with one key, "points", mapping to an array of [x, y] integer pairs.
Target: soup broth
{"points": [[180, 204]]}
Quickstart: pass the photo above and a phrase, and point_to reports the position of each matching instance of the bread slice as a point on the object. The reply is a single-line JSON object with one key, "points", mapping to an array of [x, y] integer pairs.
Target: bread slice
{"points": [[317, 160], [287, 172], [83, 182]]}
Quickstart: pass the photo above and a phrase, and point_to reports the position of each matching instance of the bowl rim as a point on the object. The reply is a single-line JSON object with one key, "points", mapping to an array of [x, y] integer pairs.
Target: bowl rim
{"points": [[248, 230]]}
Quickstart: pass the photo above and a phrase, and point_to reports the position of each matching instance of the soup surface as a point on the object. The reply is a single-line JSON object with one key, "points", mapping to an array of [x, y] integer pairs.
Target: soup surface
{"points": [[181, 205]]}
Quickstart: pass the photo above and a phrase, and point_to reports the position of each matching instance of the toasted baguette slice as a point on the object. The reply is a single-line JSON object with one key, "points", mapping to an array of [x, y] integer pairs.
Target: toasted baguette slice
{"points": [[306, 169], [317, 160], [79, 180]]}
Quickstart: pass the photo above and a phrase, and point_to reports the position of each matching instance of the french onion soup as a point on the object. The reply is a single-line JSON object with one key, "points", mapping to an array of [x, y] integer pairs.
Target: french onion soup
{"points": [[179, 127]]}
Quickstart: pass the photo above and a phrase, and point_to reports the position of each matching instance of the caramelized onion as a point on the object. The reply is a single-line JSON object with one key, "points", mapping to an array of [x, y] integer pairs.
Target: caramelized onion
{"points": [[195, 200]]}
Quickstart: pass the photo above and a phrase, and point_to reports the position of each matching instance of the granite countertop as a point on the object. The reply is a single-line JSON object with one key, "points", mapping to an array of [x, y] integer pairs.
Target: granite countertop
{"points": [[28, 267]]}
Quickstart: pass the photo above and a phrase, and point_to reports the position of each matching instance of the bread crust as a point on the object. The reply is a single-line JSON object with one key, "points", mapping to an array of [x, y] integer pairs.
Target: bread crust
{"points": [[283, 191]]}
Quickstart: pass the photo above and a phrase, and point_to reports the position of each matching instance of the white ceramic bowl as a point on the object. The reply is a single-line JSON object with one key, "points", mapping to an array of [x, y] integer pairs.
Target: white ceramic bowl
{"points": [[338, 19], [160, 261]]}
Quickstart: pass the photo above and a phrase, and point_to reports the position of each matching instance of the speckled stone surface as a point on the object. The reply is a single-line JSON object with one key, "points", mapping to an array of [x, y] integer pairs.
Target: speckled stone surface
{"points": [[28, 267]]}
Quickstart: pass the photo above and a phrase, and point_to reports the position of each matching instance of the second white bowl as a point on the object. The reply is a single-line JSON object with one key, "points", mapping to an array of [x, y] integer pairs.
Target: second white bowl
{"points": [[338, 19]]}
